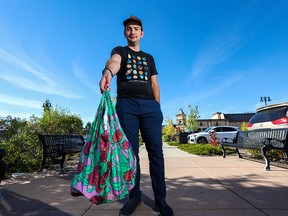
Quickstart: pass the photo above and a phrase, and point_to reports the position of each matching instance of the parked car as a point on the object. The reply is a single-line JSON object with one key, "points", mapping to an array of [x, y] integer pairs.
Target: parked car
{"points": [[221, 132], [271, 116]]}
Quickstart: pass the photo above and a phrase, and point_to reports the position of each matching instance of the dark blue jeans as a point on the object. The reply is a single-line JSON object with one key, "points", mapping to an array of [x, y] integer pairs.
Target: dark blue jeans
{"points": [[146, 116]]}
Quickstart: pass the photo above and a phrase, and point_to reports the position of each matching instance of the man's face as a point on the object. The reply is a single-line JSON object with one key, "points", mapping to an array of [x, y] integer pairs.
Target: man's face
{"points": [[133, 32]]}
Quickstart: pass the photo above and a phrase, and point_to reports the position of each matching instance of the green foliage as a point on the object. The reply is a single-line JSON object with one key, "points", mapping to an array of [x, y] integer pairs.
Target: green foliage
{"points": [[254, 153], [168, 131], [20, 138], [60, 121], [192, 119], [23, 150], [141, 142], [166, 138], [244, 126], [12, 126], [201, 149], [174, 143], [274, 154]]}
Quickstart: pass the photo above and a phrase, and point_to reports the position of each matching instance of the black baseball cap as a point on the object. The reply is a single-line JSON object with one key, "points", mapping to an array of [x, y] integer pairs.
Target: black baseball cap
{"points": [[132, 19]]}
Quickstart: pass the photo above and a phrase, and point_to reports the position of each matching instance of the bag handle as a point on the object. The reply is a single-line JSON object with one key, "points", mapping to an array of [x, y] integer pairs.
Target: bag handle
{"points": [[98, 120], [111, 111], [106, 109]]}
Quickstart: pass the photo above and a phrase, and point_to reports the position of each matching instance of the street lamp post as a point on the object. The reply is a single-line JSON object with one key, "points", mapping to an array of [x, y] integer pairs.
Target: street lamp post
{"points": [[46, 105], [265, 99]]}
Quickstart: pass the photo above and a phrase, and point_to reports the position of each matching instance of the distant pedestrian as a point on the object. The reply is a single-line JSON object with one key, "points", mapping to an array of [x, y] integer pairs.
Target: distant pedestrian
{"points": [[213, 139], [138, 108]]}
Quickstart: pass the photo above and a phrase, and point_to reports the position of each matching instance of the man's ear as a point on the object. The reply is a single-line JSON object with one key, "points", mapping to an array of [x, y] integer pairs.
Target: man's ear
{"points": [[142, 34]]}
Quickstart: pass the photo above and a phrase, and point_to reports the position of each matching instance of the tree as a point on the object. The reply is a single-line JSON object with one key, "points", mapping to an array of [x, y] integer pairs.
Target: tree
{"points": [[244, 126], [192, 119], [12, 126], [168, 131], [60, 121], [87, 128]]}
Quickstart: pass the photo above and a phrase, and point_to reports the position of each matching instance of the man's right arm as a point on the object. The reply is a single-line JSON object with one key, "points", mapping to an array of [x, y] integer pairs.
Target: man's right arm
{"points": [[112, 66]]}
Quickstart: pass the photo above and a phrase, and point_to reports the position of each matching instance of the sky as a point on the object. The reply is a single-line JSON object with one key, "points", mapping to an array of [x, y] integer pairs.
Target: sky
{"points": [[220, 56]]}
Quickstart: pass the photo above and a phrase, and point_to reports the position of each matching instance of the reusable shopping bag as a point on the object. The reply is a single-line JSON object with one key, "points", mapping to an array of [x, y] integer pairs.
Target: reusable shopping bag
{"points": [[107, 165]]}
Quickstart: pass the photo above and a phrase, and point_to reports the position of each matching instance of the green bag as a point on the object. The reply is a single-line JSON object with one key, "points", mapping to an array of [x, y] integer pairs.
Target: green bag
{"points": [[107, 166]]}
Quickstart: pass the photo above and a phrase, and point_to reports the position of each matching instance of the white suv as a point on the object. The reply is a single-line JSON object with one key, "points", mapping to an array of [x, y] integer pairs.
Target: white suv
{"points": [[271, 116], [221, 132]]}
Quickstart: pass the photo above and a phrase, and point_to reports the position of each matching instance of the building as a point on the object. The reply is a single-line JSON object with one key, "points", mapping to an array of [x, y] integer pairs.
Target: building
{"points": [[222, 119], [180, 121], [217, 119]]}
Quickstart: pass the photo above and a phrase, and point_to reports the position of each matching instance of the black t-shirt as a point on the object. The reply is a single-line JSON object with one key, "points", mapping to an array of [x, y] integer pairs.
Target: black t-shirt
{"points": [[134, 76]]}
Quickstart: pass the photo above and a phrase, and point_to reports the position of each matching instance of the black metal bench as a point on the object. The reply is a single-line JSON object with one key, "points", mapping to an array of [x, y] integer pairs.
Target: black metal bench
{"points": [[262, 139], [60, 145]]}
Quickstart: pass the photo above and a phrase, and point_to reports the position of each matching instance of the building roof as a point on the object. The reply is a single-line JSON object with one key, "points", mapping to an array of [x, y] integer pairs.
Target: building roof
{"points": [[239, 117], [180, 112]]}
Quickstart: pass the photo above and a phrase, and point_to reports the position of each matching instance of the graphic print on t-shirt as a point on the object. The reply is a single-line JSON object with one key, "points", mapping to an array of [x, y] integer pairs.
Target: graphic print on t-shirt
{"points": [[137, 69]]}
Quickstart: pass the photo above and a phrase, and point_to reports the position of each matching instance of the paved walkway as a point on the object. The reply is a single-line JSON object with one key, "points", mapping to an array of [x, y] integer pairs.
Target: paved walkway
{"points": [[209, 186]]}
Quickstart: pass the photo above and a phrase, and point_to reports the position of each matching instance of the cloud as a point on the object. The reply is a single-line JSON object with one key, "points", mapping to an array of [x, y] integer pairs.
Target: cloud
{"points": [[24, 63], [216, 49], [19, 68], [83, 77], [25, 73], [19, 114], [16, 101]]}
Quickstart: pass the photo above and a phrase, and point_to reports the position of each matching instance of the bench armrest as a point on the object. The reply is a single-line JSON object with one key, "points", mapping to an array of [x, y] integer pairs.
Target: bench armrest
{"points": [[225, 140]]}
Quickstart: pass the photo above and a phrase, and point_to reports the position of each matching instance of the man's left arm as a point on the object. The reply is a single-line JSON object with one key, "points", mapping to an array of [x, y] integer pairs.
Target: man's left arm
{"points": [[155, 88]]}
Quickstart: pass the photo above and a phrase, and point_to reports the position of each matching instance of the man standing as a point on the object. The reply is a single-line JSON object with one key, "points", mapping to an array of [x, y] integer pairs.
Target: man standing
{"points": [[138, 108]]}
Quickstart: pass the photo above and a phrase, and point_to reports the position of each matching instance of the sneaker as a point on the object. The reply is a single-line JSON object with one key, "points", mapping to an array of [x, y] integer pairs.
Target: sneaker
{"points": [[130, 206], [163, 207]]}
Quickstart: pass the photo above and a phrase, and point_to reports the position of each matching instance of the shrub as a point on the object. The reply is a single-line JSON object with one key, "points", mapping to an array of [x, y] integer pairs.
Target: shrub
{"points": [[174, 143], [201, 149], [23, 150], [166, 138], [274, 155], [20, 139]]}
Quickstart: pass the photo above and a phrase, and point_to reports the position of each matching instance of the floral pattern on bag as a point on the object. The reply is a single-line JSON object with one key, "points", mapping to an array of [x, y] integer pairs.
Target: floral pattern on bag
{"points": [[107, 165]]}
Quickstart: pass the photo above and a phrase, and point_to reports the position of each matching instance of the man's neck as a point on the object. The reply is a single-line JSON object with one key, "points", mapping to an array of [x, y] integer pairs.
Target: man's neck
{"points": [[135, 48]]}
